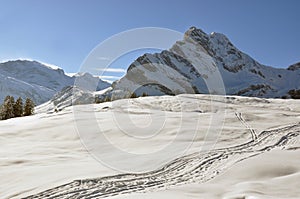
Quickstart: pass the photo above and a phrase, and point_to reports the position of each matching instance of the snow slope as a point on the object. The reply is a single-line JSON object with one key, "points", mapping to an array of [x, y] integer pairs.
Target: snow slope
{"points": [[207, 63], [38, 81], [69, 96], [43, 151]]}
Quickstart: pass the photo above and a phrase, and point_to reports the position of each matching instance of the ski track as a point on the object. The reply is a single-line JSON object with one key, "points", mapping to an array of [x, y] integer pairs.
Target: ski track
{"points": [[197, 167]]}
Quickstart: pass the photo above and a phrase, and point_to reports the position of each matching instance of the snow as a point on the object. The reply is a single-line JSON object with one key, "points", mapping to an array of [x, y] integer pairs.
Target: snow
{"points": [[45, 150], [71, 74], [51, 66], [102, 91], [185, 146], [39, 81], [215, 66]]}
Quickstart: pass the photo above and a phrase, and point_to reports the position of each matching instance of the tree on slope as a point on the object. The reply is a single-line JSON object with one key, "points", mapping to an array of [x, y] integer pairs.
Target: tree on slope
{"points": [[7, 111], [18, 108], [28, 107], [1, 112]]}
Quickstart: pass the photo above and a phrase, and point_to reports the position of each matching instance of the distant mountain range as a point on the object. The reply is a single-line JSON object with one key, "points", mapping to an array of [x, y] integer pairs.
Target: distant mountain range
{"points": [[23, 78], [190, 66], [200, 63]]}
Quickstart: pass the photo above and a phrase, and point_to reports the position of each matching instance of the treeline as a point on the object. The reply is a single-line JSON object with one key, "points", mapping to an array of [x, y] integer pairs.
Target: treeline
{"points": [[295, 94], [110, 98], [11, 108]]}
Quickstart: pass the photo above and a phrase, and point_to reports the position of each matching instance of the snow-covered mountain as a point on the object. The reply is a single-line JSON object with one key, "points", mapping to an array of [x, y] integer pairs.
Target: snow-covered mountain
{"points": [[38, 81], [206, 63], [68, 96], [200, 63]]}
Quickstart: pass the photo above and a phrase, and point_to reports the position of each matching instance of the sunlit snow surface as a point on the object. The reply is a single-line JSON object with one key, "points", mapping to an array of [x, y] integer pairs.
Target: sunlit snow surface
{"points": [[44, 151]]}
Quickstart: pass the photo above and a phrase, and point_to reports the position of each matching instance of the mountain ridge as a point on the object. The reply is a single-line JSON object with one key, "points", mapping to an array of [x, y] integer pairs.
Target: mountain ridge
{"points": [[40, 82], [188, 66], [199, 63]]}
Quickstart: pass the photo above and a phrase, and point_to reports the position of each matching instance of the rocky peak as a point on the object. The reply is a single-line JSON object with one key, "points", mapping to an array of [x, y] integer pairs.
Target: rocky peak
{"points": [[220, 39], [195, 33], [294, 67], [219, 47], [189, 65], [198, 36]]}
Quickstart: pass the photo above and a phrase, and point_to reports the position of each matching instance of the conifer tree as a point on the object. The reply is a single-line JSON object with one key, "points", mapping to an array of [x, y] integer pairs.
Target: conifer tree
{"points": [[18, 107], [133, 95], [8, 109], [1, 112], [28, 107], [107, 99]]}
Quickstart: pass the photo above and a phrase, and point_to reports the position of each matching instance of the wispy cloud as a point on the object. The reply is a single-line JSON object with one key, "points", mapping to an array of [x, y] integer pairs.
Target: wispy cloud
{"points": [[109, 77], [112, 70], [103, 58]]}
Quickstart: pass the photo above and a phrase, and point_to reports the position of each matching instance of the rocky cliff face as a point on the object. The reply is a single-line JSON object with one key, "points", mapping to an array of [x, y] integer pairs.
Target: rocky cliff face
{"points": [[206, 63], [294, 67]]}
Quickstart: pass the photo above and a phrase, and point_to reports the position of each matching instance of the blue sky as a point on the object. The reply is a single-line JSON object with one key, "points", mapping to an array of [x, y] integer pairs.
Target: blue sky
{"points": [[63, 32]]}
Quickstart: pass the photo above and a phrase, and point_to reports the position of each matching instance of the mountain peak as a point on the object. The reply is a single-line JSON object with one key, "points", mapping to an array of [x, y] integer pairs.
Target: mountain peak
{"points": [[194, 30], [39, 81], [189, 64], [30, 62], [219, 37], [196, 34], [294, 67], [205, 39]]}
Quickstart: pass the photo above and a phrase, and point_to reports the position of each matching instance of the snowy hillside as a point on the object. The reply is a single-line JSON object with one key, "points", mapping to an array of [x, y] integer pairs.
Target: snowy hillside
{"points": [[45, 155], [38, 81], [68, 96], [206, 63]]}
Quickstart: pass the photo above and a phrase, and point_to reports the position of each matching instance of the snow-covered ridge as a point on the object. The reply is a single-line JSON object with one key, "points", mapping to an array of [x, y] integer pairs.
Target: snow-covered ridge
{"points": [[68, 96], [26, 78], [190, 64], [51, 66]]}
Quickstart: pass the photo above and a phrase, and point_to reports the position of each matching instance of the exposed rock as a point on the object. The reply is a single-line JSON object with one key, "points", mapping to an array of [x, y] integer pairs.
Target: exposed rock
{"points": [[202, 63], [294, 67]]}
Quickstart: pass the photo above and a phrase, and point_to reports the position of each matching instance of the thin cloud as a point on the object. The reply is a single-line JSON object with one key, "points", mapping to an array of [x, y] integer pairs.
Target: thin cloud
{"points": [[112, 70], [103, 58], [109, 77]]}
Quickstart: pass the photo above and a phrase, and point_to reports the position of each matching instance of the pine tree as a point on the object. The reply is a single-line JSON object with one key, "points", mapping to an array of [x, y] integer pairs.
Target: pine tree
{"points": [[8, 107], [133, 95], [28, 107], [18, 107], [144, 94], [1, 112], [107, 99], [11, 106]]}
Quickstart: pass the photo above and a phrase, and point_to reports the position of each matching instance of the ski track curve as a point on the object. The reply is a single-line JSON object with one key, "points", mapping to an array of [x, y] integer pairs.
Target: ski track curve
{"points": [[196, 167]]}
